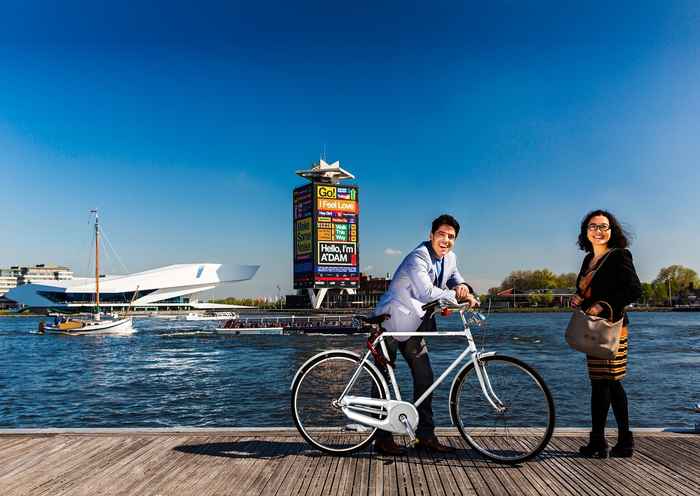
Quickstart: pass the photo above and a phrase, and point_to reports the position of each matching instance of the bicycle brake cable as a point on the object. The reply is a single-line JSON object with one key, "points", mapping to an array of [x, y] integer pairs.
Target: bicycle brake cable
{"points": [[484, 326]]}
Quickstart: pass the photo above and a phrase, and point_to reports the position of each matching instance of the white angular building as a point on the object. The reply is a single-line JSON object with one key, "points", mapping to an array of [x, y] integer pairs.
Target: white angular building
{"points": [[165, 288]]}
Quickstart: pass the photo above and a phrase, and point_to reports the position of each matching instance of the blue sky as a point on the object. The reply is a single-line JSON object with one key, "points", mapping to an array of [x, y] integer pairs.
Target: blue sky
{"points": [[185, 125]]}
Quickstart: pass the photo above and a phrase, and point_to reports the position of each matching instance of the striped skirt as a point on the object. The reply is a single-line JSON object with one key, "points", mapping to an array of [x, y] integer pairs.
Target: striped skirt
{"points": [[613, 370]]}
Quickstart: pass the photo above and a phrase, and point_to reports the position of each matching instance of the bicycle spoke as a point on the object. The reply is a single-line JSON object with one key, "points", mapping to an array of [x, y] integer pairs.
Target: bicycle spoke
{"points": [[528, 413], [316, 413]]}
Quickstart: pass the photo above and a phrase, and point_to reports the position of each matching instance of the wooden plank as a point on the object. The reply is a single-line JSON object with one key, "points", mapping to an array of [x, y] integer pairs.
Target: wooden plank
{"points": [[43, 468], [289, 456], [608, 474], [96, 466], [270, 457], [667, 454], [344, 475], [167, 464], [323, 471], [521, 474], [404, 482], [664, 464], [300, 469], [595, 472], [436, 467], [569, 477], [25, 461], [131, 466], [253, 461], [471, 468]]}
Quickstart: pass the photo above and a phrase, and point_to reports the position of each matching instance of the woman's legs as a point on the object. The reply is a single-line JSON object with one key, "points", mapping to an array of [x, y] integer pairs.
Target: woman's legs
{"points": [[625, 441], [618, 399], [600, 405]]}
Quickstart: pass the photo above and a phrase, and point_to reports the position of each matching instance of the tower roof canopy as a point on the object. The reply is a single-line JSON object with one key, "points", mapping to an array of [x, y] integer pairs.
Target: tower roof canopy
{"points": [[325, 172]]}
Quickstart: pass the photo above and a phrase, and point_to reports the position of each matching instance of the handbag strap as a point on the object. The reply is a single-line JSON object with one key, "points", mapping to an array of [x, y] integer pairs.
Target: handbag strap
{"points": [[597, 268], [609, 307], [595, 271], [600, 264]]}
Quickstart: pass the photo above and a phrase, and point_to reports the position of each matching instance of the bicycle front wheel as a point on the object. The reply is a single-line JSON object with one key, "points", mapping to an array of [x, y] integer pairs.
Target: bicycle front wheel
{"points": [[316, 414], [524, 426]]}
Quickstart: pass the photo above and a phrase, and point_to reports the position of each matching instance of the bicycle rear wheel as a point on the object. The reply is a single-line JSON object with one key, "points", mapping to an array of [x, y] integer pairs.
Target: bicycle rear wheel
{"points": [[519, 432], [317, 386]]}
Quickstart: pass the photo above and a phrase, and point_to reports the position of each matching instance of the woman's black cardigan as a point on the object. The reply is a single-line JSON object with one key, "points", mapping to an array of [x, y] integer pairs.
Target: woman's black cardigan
{"points": [[616, 282]]}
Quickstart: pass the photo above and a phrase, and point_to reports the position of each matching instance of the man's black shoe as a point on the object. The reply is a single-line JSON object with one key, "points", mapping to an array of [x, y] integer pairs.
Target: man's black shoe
{"points": [[388, 447], [431, 443]]}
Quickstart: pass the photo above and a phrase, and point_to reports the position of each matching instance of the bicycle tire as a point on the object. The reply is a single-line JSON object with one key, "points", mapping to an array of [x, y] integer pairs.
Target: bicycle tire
{"points": [[309, 419], [497, 441]]}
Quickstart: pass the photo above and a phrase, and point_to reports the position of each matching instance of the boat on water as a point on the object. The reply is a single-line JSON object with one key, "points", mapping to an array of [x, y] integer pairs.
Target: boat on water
{"points": [[97, 323], [244, 331], [312, 324], [164, 316], [209, 315]]}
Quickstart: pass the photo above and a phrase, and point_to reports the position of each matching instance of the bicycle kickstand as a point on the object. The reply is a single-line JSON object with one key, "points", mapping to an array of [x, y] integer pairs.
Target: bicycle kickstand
{"points": [[409, 429]]}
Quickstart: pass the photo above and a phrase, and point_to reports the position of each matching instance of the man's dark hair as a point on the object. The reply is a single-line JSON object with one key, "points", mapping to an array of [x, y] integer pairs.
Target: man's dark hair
{"points": [[619, 237], [448, 220]]}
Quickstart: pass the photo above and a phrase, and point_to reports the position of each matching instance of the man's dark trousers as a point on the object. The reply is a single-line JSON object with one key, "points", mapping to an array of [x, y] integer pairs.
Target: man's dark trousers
{"points": [[415, 352]]}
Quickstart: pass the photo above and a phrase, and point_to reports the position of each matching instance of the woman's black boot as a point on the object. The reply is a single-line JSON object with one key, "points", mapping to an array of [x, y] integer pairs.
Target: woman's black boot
{"points": [[624, 447], [597, 447]]}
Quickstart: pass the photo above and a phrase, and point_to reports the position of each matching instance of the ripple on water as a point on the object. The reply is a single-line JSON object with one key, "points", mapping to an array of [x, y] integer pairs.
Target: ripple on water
{"points": [[171, 374]]}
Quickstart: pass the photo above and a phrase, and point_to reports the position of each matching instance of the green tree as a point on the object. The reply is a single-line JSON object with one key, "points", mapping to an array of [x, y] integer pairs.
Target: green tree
{"points": [[547, 298], [647, 292], [660, 294], [681, 278], [566, 280], [527, 280]]}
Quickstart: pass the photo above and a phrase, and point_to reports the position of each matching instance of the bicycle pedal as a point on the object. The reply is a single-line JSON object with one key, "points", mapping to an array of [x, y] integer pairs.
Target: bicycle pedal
{"points": [[413, 441]]}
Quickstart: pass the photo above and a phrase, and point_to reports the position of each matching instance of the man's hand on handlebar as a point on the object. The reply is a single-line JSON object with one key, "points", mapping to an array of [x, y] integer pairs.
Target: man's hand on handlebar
{"points": [[463, 295]]}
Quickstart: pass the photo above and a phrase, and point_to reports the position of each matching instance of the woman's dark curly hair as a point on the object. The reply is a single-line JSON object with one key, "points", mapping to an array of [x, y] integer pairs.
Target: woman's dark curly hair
{"points": [[619, 237]]}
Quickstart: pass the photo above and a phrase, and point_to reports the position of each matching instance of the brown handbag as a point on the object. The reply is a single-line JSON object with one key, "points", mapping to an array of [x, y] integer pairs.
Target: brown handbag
{"points": [[593, 335]]}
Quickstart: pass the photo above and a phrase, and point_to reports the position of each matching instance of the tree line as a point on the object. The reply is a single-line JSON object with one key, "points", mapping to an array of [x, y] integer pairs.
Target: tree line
{"points": [[675, 282]]}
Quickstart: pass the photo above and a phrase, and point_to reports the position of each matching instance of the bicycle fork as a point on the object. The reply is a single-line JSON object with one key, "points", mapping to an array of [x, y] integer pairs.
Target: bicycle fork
{"points": [[486, 387]]}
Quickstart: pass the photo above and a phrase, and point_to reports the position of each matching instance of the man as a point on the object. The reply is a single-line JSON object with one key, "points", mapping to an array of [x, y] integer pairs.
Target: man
{"points": [[428, 273]]}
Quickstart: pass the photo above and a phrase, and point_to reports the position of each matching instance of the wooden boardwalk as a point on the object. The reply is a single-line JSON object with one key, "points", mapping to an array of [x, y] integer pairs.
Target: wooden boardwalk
{"points": [[279, 463]]}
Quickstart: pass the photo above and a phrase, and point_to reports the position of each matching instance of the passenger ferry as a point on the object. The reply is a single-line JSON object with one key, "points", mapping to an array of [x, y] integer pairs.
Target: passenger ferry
{"points": [[311, 324]]}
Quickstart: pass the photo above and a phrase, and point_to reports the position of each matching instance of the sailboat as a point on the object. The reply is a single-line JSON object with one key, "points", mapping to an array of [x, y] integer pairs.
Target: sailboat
{"points": [[99, 323]]}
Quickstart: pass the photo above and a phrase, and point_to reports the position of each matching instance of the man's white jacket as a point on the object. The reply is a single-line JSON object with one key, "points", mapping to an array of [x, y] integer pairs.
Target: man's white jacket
{"points": [[413, 285]]}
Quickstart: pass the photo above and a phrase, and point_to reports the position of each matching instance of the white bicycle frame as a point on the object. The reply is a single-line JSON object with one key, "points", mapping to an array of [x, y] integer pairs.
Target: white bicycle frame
{"points": [[471, 353]]}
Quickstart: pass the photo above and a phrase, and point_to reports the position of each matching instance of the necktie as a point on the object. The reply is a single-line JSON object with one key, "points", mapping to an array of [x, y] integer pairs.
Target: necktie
{"points": [[439, 266]]}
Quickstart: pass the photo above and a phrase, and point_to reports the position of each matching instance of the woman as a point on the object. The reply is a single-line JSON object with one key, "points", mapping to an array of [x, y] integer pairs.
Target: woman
{"points": [[607, 275]]}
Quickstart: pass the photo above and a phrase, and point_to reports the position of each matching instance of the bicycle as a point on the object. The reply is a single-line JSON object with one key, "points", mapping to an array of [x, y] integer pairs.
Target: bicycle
{"points": [[515, 421]]}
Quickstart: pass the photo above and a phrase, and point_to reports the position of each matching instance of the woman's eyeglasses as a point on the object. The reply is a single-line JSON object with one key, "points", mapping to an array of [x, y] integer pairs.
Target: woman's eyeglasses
{"points": [[599, 227]]}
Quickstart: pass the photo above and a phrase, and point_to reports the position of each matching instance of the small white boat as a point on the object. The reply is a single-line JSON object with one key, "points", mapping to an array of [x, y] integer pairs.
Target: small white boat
{"points": [[97, 323], [93, 326], [211, 316], [243, 331]]}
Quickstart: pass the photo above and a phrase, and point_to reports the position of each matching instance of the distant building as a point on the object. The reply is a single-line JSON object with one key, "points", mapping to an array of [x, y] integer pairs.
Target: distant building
{"points": [[8, 281], [366, 296], [39, 272], [165, 288]]}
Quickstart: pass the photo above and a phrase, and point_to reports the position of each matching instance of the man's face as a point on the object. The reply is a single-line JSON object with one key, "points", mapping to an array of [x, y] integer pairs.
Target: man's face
{"points": [[443, 240]]}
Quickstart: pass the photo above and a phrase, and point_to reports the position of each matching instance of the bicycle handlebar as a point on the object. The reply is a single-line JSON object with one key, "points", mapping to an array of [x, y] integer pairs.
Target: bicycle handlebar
{"points": [[448, 305]]}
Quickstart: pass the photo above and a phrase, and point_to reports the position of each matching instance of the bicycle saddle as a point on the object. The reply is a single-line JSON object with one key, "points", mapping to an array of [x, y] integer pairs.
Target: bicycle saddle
{"points": [[377, 319]]}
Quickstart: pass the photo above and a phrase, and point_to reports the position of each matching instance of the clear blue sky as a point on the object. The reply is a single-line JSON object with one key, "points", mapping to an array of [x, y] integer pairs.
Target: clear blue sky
{"points": [[185, 125]]}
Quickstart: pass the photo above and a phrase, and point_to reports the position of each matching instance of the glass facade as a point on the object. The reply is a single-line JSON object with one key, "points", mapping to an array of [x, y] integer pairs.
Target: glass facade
{"points": [[124, 297]]}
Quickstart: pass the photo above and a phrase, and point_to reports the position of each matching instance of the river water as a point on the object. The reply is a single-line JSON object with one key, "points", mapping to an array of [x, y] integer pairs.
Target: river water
{"points": [[179, 374]]}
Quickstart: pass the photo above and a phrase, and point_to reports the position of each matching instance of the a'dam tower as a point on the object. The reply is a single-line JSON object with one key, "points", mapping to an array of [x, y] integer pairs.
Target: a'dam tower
{"points": [[325, 217]]}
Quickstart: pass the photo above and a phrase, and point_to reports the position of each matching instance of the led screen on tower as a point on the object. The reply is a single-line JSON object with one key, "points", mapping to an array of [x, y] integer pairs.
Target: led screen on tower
{"points": [[326, 236]]}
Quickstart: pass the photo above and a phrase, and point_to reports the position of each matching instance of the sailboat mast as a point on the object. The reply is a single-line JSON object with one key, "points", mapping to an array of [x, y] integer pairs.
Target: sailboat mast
{"points": [[97, 261]]}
